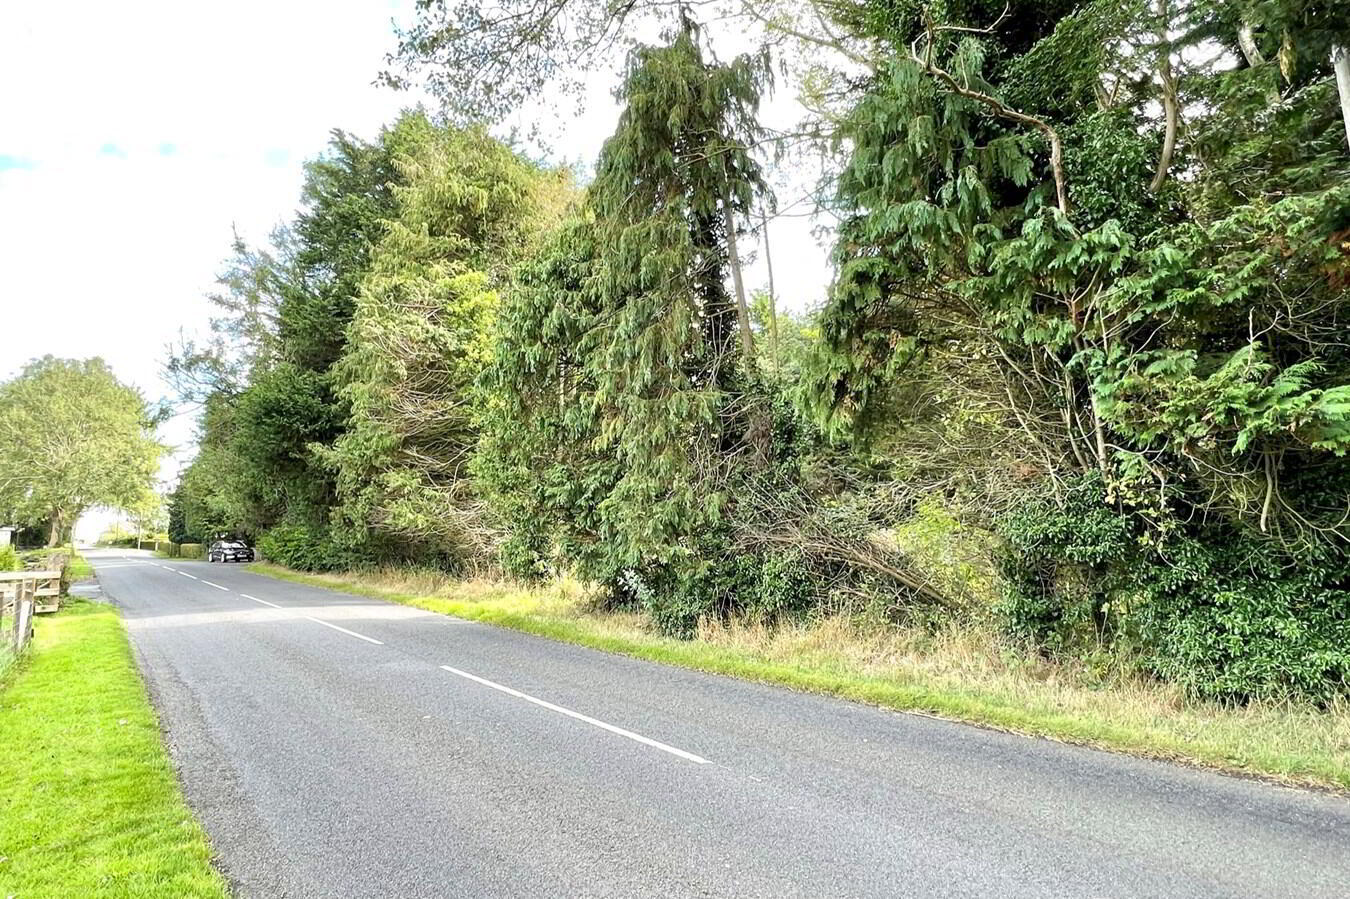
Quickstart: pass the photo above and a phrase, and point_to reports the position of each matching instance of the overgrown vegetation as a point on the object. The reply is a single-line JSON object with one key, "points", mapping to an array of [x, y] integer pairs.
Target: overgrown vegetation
{"points": [[88, 801], [1081, 380]]}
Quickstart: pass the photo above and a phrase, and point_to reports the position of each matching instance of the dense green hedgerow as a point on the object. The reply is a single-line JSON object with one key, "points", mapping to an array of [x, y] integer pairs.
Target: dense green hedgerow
{"points": [[1227, 613], [761, 586], [306, 548]]}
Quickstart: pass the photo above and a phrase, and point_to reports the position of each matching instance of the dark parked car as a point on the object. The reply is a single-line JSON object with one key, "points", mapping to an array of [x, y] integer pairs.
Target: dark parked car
{"points": [[229, 551]]}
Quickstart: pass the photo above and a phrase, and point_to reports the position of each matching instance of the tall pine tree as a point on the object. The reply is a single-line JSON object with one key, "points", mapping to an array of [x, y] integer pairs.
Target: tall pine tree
{"points": [[628, 323]]}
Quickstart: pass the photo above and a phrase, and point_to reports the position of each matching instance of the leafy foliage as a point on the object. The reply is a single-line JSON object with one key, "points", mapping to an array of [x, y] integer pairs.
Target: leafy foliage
{"points": [[306, 548], [420, 339], [1229, 618], [1089, 305], [266, 382], [73, 437], [1174, 363]]}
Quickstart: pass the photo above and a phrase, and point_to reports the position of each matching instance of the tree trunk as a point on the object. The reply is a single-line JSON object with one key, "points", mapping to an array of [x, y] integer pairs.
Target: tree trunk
{"points": [[773, 298], [1340, 60], [1247, 41], [58, 525], [1171, 107], [742, 308], [1252, 53], [996, 106]]}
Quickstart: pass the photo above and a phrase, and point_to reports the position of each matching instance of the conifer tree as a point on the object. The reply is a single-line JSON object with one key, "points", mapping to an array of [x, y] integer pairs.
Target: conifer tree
{"points": [[629, 405], [419, 338], [669, 373]]}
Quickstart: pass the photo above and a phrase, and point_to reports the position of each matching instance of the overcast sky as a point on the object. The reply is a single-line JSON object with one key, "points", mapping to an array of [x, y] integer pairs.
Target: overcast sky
{"points": [[135, 135]]}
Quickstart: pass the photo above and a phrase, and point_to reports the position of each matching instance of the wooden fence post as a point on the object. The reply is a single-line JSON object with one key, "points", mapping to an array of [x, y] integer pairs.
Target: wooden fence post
{"points": [[17, 641], [23, 624]]}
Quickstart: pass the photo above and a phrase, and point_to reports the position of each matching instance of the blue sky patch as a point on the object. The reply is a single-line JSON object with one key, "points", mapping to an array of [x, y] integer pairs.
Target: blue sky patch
{"points": [[8, 162]]}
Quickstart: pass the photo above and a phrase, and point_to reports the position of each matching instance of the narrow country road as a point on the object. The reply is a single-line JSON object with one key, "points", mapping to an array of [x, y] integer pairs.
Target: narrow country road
{"points": [[345, 747]]}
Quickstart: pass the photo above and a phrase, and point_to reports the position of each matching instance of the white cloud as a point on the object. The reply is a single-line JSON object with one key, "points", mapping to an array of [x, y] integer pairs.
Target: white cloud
{"points": [[147, 130], [138, 134]]}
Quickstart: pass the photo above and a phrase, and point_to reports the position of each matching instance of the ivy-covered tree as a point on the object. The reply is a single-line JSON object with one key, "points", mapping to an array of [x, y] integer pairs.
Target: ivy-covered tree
{"points": [[670, 368], [628, 406]]}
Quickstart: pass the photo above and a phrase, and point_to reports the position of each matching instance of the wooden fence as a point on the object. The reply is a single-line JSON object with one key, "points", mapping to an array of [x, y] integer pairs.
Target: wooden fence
{"points": [[24, 594]]}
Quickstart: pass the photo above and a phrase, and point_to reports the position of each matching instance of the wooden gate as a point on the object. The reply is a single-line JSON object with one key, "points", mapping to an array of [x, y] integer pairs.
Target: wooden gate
{"points": [[24, 594]]}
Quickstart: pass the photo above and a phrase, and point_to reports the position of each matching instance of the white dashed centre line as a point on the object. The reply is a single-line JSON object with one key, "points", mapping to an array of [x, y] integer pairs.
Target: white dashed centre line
{"points": [[317, 621], [217, 586], [345, 631], [193, 576], [646, 741]]}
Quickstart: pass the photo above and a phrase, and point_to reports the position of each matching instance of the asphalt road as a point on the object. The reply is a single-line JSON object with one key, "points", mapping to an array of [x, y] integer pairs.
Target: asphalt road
{"points": [[339, 746]]}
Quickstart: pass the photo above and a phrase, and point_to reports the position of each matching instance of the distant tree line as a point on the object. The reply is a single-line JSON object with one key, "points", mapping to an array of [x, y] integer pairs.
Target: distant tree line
{"points": [[1088, 314]]}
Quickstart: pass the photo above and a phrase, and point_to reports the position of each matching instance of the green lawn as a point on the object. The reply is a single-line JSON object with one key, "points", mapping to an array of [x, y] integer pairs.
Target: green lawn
{"points": [[88, 801]]}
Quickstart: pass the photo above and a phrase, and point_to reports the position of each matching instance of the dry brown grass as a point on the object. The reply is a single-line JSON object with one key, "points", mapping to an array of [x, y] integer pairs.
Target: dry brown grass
{"points": [[972, 661]]}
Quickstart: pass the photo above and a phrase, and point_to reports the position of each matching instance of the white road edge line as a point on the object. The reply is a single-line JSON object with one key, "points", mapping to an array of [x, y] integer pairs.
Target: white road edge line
{"points": [[217, 586], [263, 601], [193, 576], [344, 630], [646, 741]]}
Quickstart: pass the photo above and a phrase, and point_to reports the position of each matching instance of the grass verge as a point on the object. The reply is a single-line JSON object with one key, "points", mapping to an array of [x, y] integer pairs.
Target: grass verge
{"points": [[89, 805], [961, 675], [78, 568]]}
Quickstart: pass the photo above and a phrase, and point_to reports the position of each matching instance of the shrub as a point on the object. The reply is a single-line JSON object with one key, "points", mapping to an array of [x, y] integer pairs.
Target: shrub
{"points": [[306, 548], [191, 550], [522, 556], [763, 586], [1226, 613], [9, 559], [1232, 615], [1060, 564]]}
